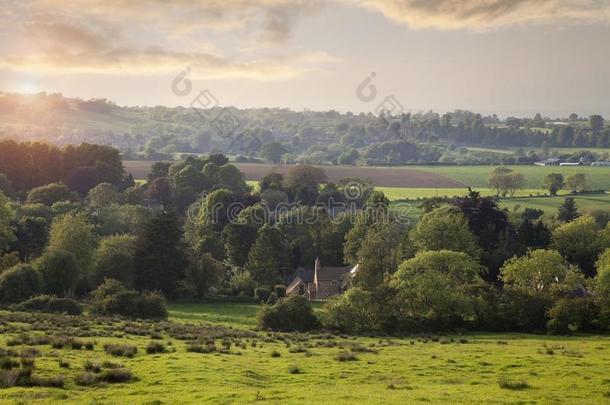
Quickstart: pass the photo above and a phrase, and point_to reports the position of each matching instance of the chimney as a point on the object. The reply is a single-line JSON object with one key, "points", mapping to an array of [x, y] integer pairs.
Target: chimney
{"points": [[315, 275]]}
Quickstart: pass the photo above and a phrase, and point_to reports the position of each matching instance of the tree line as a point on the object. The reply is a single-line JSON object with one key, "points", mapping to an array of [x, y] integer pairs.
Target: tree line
{"points": [[196, 229]]}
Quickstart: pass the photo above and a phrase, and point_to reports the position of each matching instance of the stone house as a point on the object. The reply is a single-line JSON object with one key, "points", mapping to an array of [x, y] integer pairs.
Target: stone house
{"points": [[322, 282]]}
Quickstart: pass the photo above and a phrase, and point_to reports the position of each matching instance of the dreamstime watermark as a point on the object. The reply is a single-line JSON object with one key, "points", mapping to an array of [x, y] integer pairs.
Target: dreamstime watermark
{"points": [[222, 120], [367, 92], [289, 213]]}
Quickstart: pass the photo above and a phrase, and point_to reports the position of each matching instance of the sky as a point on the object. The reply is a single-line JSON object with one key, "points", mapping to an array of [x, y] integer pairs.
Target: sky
{"points": [[508, 57]]}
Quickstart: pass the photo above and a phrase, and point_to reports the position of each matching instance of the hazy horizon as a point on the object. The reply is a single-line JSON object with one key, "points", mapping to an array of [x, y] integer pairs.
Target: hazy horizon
{"points": [[489, 56]]}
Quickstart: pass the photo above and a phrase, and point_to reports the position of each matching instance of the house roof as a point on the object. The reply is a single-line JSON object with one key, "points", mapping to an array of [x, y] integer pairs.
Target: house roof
{"points": [[332, 273]]}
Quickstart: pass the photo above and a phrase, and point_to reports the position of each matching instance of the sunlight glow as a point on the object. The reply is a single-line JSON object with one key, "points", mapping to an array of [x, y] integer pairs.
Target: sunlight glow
{"points": [[29, 88]]}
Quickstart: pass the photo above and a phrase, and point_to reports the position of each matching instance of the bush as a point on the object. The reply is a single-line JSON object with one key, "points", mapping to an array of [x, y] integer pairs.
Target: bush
{"points": [[112, 298], [155, 347], [573, 315], [288, 314], [262, 294], [50, 304], [353, 312], [111, 376], [512, 384], [60, 271], [152, 305], [120, 350], [346, 355], [19, 283]]}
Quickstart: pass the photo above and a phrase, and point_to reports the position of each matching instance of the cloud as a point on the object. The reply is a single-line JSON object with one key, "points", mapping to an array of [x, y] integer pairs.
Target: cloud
{"points": [[126, 37], [486, 14]]}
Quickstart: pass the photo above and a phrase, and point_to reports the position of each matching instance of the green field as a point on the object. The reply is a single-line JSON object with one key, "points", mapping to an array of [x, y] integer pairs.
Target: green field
{"points": [[473, 368], [401, 193], [598, 178], [559, 151], [585, 203], [410, 211]]}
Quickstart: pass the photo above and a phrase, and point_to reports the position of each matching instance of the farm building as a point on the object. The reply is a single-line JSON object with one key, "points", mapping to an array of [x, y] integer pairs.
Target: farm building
{"points": [[549, 162], [322, 282]]}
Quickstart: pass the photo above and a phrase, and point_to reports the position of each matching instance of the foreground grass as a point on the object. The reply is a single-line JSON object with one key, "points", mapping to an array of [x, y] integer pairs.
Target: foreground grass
{"points": [[291, 368]]}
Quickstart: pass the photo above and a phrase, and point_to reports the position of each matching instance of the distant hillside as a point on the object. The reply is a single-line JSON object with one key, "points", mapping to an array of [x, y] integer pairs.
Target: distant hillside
{"points": [[281, 135]]}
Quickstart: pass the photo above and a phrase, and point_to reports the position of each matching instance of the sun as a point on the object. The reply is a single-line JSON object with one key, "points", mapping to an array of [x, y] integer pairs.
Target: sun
{"points": [[29, 87]]}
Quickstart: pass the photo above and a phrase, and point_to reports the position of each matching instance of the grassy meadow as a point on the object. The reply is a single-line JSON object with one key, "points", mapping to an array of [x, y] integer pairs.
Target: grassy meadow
{"points": [[240, 365], [598, 178]]}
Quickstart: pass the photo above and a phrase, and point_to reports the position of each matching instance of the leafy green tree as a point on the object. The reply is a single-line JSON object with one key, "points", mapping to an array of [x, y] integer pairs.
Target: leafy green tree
{"points": [[267, 259], [133, 195], [8, 260], [60, 271], [271, 181], [348, 157], [533, 234], [602, 286], [379, 254], [162, 190], [6, 186], [489, 223], [202, 273], [49, 194], [535, 273], [66, 207], [567, 211], [304, 177], [576, 182], [434, 286], [211, 211], [596, 122], [158, 169], [553, 182], [102, 195], [272, 152], [114, 259], [121, 219], [231, 178], [498, 180], [31, 234], [7, 215], [73, 233], [579, 242], [238, 239], [19, 283], [274, 198], [158, 259], [445, 229]]}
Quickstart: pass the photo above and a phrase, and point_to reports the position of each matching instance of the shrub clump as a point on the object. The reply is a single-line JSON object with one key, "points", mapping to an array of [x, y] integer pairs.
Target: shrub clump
{"points": [[19, 283], [121, 350], [288, 314], [512, 384], [346, 355], [50, 304], [110, 376], [155, 347], [113, 298]]}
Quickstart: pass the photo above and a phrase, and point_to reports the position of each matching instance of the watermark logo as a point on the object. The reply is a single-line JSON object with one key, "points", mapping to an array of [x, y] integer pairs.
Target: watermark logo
{"points": [[223, 121], [367, 92], [389, 106]]}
